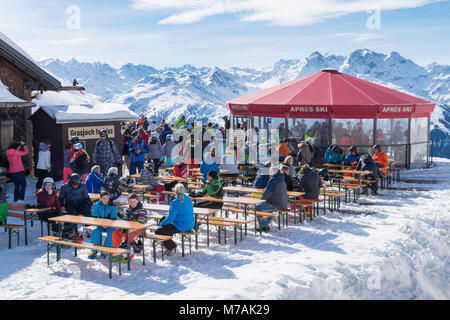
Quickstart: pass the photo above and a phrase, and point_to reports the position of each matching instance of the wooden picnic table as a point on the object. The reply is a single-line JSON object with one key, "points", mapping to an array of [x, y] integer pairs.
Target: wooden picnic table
{"points": [[205, 213], [236, 189], [245, 201], [26, 211], [105, 223], [351, 171]]}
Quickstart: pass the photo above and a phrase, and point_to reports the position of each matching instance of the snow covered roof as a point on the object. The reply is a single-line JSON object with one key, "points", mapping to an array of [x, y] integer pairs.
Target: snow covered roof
{"points": [[6, 97], [90, 113], [23, 61]]}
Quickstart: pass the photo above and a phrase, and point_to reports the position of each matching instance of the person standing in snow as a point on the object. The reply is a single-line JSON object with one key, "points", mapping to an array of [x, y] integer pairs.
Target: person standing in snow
{"points": [[167, 151], [180, 123], [79, 162], [137, 151], [165, 131], [106, 154], [43, 166], [155, 153], [16, 169], [67, 170]]}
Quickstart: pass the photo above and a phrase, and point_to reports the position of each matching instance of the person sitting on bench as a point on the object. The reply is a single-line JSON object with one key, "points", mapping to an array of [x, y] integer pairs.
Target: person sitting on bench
{"points": [[366, 163], [310, 183], [137, 213], [180, 218], [213, 188], [333, 155], [275, 195], [46, 197], [74, 199], [104, 210]]}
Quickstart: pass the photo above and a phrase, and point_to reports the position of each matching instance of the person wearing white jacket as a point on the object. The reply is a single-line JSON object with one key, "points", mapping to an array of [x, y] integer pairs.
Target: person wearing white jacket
{"points": [[44, 166]]}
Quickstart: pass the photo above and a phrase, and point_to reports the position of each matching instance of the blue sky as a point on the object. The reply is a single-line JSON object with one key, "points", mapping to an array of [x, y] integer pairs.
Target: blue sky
{"points": [[224, 33]]}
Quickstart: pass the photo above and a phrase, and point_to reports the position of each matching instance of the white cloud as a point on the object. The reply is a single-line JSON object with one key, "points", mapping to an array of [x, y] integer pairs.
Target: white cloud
{"points": [[279, 12]]}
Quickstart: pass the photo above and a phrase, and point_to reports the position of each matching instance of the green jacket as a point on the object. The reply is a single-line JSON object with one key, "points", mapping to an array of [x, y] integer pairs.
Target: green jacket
{"points": [[179, 123], [213, 189]]}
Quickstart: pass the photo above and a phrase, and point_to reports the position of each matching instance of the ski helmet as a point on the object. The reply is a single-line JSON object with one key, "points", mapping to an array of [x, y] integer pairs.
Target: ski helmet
{"points": [[48, 180], [104, 131], [78, 147], [336, 149], [352, 148], [75, 178], [75, 139], [377, 148], [323, 172]]}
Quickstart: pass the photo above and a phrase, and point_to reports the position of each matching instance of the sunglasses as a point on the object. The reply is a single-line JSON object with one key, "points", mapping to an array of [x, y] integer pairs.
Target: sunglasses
{"points": [[48, 185], [102, 136]]}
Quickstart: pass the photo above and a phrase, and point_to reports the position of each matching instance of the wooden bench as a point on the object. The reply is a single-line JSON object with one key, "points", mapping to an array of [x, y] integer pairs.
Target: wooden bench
{"points": [[157, 239], [12, 229], [313, 206], [58, 243], [222, 223]]}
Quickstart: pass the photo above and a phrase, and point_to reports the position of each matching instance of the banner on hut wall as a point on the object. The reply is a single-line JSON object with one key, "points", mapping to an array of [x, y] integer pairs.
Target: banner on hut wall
{"points": [[86, 133]]}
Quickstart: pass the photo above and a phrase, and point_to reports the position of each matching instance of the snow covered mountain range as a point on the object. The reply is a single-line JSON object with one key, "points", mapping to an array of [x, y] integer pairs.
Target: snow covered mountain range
{"points": [[201, 92]]}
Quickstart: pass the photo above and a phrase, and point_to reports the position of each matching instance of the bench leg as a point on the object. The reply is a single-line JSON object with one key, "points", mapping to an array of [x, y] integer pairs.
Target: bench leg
{"points": [[154, 250], [9, 237], [182, 245], [120, 267], [207, 231], [225, 234], [58, 252], [25, 223], [110, 265], [143, 249], [76, 251], [190, 241], [235, 234], [48, 254]]}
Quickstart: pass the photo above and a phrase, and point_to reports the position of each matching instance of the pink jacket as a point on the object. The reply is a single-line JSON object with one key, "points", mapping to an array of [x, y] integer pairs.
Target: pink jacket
{"points": [[15, 159]]}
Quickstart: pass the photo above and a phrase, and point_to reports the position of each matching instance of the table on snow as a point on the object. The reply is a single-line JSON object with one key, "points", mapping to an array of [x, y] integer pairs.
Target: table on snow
{"points": [[245, 201], [26, 211], [204, 212], [105, 223]]}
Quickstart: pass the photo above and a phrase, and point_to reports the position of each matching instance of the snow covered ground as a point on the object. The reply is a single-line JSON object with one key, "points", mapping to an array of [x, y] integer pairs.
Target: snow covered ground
{"points": [[394, 246]]}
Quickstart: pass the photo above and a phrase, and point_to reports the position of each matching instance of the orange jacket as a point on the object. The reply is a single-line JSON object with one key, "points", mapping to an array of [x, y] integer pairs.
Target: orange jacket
{"points": [[381, 158], [284, 149]]}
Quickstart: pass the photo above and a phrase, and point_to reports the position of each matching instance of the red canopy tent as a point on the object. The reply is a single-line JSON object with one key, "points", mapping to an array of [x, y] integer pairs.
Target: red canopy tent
{"points": [[330, 94]]}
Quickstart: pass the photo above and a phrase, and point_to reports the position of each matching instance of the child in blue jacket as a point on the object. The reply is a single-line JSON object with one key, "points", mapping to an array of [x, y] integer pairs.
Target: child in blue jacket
{"points": [[102, 209]]}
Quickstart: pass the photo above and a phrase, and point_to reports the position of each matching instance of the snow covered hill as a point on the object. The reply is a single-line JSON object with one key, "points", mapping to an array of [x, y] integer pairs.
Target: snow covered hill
{"points": [[392, 246], [201, 92]]}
